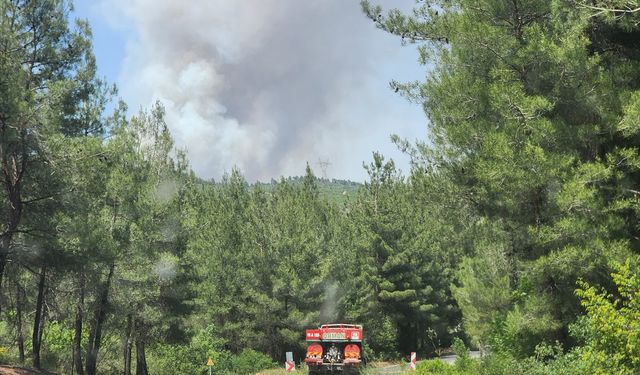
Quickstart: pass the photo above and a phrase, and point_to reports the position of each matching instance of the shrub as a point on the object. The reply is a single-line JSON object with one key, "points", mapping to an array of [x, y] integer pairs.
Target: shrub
{"points": [[463, 361], [250, 361], [4, 355], [435, 367], [549, 360], [191, 358], [57, 341], [612, 325]]}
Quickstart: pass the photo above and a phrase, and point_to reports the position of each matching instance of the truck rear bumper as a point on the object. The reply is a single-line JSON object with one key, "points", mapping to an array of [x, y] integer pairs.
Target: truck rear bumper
{"points": [[318, 368], [347, 363]]}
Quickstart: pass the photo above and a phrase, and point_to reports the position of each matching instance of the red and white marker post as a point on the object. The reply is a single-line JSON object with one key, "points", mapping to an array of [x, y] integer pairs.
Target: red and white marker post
{"points": [[289, 366], [412, 364]]}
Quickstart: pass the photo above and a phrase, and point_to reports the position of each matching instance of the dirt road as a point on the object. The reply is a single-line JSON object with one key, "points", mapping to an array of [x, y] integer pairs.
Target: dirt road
{"points": [[17, 370]]}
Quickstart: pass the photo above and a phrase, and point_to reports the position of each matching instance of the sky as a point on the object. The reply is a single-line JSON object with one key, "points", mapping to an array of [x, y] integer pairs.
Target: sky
{"points": [[265, 86]]}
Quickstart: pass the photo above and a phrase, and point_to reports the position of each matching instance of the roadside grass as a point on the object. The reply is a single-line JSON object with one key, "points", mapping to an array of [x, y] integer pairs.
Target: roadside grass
{"points": [[372, 369], [429, 367], [275, 371]]}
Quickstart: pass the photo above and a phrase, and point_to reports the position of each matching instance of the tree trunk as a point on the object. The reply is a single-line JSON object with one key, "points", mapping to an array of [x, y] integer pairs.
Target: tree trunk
{"points": [[38, 322], [128, 345], [95, 332], [5, 243], [77, 338], [19, 302], [13, 189], [4, 252], [141, 359]]}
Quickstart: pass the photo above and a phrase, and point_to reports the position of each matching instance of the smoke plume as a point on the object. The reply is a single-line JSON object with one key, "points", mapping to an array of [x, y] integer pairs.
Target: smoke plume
{"points": [[267, 85]]}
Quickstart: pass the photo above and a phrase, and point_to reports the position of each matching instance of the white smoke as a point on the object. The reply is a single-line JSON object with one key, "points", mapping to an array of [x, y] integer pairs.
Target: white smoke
{"points": [[266, 85], [166, 267], [329, 308]]}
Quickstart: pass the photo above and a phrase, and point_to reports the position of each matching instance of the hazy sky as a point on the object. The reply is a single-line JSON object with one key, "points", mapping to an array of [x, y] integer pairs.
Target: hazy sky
{"points": [[263, 85]]}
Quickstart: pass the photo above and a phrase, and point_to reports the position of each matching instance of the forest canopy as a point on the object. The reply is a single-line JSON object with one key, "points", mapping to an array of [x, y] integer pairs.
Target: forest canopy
{"points": [[515, 231]]}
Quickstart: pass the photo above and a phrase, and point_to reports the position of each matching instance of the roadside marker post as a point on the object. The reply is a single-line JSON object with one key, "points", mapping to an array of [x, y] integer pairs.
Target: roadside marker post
{"points": [[210, 364], [289, 365], [412, 364]]}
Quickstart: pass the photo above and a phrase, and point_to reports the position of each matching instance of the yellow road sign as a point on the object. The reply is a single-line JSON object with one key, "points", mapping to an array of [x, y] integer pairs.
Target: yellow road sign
{"points": [[210, 362]]}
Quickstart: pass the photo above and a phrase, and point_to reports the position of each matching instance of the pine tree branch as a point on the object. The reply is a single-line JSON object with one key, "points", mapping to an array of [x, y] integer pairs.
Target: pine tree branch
{"points": [[627, 10], [40, 198]]}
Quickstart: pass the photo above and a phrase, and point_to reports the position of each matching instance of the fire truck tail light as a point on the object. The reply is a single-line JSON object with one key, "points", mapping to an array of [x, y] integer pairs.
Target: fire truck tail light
{"points": [[352, 351], [314, 351]]}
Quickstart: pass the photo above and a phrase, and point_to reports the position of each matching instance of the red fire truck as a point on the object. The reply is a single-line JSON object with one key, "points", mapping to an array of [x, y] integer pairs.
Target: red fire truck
{"points": [[334, 348]]}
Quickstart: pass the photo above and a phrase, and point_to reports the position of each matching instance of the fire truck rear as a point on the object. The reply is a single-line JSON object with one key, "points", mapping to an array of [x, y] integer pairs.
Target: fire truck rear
{"points": [[334, 348]]}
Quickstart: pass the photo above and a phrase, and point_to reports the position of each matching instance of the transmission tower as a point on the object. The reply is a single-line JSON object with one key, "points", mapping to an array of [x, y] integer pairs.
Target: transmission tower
{"points": [[324, 164]]}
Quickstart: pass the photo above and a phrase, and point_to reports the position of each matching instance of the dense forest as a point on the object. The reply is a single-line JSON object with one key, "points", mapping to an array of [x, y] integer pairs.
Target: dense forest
{"points": [[515, 231]]}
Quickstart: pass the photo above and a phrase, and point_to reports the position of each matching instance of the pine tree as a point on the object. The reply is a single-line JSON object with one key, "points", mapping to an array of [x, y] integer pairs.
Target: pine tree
{"points": [[44, 63], [529, 106]]}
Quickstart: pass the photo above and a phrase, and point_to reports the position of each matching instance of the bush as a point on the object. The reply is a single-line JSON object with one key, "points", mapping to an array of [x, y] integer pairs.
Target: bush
{"points": [[4, 355], [499, 364], [191, 358], [382, 340], [464, 363], [250, 362], [435, 367], [612, 325], [57, 341], [8, 349], [549, 360], [174, 359]]}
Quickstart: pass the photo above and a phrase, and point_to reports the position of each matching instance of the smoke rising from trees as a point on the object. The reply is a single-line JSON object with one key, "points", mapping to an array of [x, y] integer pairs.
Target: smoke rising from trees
{"points": [[266, 86]]}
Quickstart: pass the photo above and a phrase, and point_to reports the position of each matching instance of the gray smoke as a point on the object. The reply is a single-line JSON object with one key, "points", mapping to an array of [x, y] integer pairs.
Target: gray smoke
{"points": [[329, 308], [166, 267], [166, 190], [266, 85]]}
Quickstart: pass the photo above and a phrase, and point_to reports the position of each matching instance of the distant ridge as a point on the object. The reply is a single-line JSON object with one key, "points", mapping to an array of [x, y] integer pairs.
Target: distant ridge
{"points": [[334, 190]]}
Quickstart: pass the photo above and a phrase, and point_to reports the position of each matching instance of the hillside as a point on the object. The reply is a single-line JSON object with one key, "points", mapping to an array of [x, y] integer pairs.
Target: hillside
{"points": [[336, 191]]}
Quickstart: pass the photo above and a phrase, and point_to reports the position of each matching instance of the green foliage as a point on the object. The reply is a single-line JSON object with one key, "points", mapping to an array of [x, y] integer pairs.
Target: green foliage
{"points": [[613, 324], [5, 345], [383, 336], [192, 358], [263, 265], [250, 361], [484, 294], [436, 367], [396, 276], [4, 355], [531, 125], [527, 184], [339, 192], [167, 359], [547, 360], [463, 363], [57, 342], [518, 333]]}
